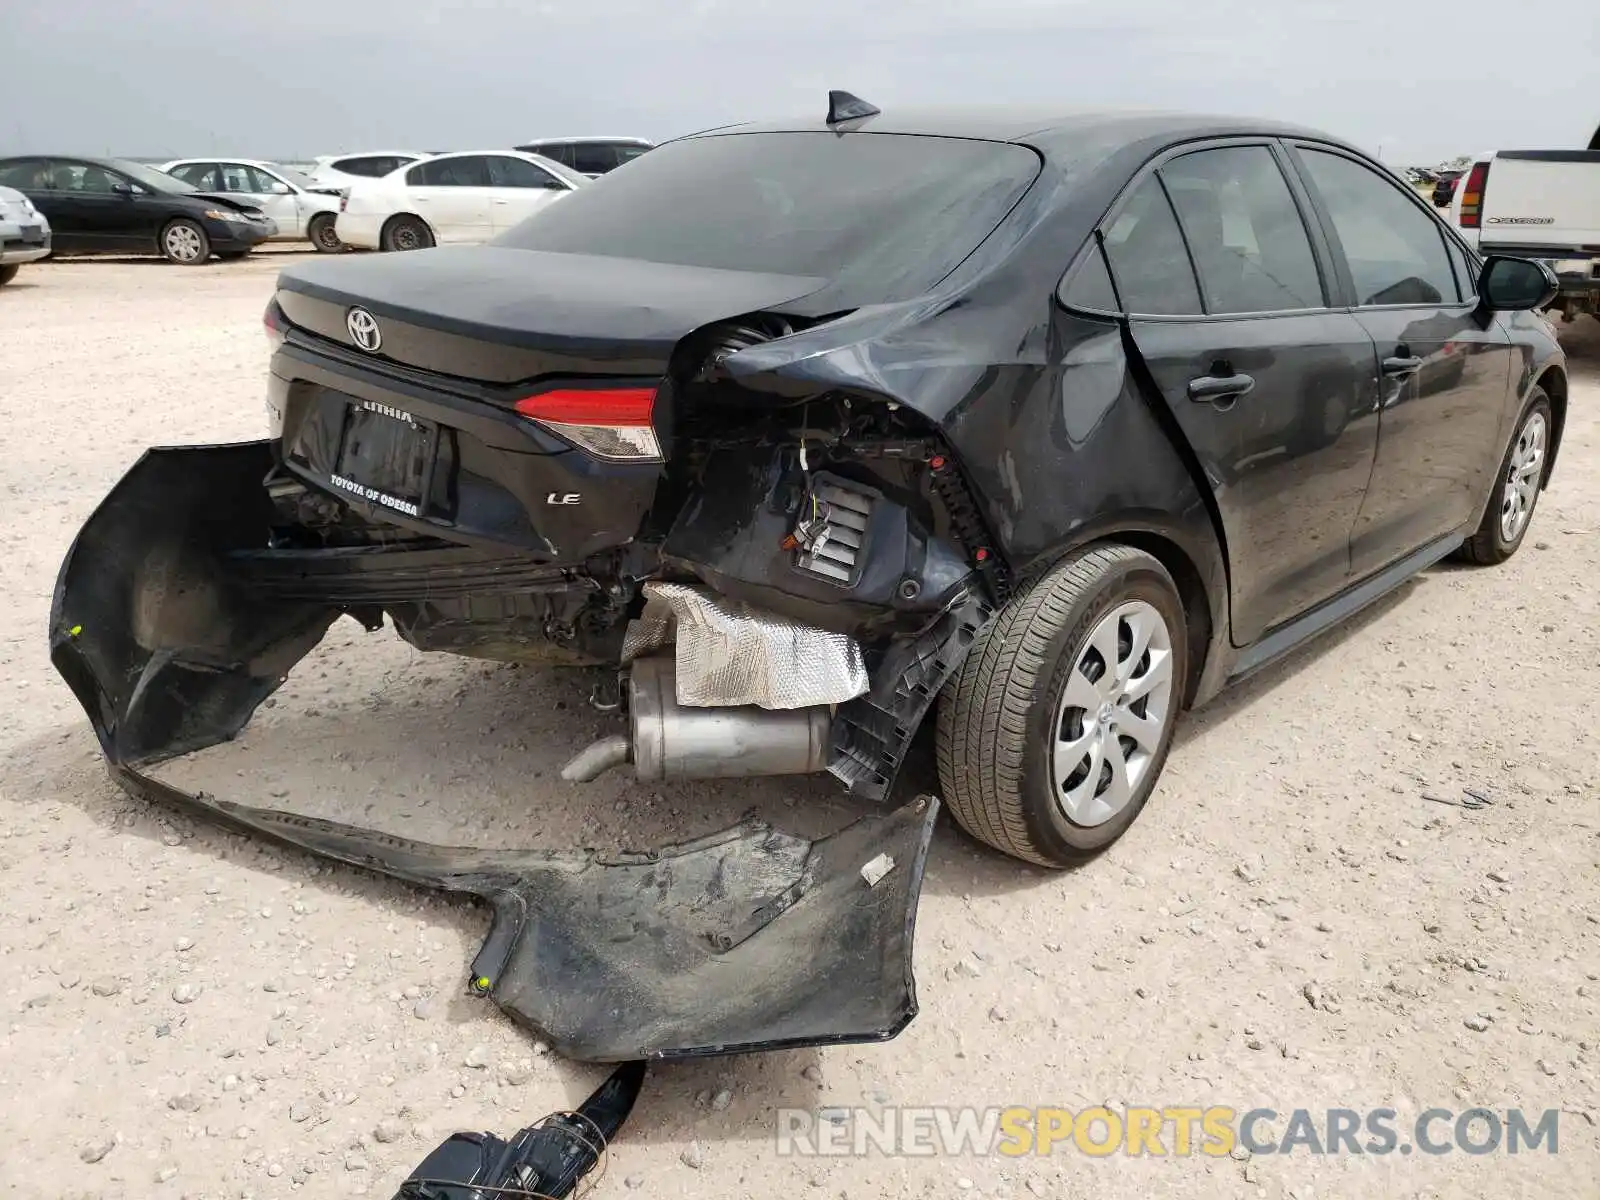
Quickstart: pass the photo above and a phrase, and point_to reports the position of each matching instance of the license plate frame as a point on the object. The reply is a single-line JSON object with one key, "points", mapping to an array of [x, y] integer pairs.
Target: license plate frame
{"points": [[386, 457], [31, 235]]}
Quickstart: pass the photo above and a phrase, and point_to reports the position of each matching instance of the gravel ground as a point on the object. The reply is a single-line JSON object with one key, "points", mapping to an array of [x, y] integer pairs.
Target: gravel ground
{"points": [[1290, 924]]}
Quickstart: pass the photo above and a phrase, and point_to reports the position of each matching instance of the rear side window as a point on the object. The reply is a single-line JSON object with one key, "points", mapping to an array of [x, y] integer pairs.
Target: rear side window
{"points": [[628, 151], [1147, 256], [1089, 287], [560, 152], [471, 170], [1249, 244], [593, 158], [1396, 251], [370, 166], [26, 174]]}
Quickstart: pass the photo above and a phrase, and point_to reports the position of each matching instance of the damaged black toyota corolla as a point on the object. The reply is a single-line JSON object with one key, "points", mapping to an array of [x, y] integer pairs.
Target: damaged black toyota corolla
{"points": [[1062, 422]]}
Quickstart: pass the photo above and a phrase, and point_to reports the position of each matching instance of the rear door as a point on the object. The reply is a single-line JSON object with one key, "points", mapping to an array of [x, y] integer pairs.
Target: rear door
{"points": [[1230, 305], [1446, 366], [33, 177], [453, 195], [519, 189]]}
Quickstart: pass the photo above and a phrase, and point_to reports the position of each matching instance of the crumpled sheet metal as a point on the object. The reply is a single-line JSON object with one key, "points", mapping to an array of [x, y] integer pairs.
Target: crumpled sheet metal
{"points": [[748, 939], [730, 654]]}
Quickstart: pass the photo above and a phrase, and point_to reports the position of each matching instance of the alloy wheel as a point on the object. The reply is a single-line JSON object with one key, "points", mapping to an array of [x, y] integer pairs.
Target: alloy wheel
{"points": [[1113, 712], [1522, 477]]}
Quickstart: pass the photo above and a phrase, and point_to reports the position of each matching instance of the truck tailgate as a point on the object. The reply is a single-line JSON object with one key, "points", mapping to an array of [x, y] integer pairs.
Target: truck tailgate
{"points": [[1543, 199]]}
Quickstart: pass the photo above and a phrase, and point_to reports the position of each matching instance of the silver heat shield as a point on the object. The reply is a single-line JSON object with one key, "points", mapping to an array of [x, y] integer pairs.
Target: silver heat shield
{"points": [[731, 654]]}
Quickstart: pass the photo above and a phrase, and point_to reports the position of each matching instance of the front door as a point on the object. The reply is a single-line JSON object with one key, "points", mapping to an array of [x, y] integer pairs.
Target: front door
{"points": [[1273, 388], [520, 189], [1446, 366], [103, 217], [251, 185], [453, 195]]}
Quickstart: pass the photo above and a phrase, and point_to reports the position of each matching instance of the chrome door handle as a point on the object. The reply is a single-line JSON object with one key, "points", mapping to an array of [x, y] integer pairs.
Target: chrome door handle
{"points": [[1401, 365], [1210, 388]]}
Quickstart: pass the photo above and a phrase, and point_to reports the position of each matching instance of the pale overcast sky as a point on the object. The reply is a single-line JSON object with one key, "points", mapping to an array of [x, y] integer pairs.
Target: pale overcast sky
{"points": [[295, 78]]}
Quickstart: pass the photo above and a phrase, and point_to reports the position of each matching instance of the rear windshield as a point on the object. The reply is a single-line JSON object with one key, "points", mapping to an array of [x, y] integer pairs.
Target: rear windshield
{"points": [[893, 212]]}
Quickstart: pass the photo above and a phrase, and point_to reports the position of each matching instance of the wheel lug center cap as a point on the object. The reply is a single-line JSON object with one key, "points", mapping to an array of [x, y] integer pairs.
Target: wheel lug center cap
{"points": [[1107, 712]]}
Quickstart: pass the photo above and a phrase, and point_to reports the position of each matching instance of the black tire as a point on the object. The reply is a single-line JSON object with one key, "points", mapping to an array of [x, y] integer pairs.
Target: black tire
{"points": [[9, 272], [998, 716], [184, 242], [232, 255], [1490, 545], [406, 232], [321, 233]]}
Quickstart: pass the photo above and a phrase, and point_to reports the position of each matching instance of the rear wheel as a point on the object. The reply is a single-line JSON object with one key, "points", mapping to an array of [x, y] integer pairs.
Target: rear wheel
{"points": [[1052, 735], [8, 273], [1516, 489], [322, 234], [185, 243], [407, 233]]}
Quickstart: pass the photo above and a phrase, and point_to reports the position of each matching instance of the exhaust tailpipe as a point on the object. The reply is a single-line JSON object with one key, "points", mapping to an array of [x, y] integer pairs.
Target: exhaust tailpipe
{"points": [[669, 741]]}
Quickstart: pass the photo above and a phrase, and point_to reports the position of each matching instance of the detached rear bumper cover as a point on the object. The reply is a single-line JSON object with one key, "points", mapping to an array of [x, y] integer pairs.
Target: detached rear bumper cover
{"points": [[749, 939]]}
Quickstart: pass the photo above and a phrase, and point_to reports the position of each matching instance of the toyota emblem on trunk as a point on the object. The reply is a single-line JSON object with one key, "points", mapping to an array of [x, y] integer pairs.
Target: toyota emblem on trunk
{"points": [[363, 327]]}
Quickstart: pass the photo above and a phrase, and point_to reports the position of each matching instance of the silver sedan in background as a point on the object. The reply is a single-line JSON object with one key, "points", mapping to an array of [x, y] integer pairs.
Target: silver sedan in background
{"points": [[303, 209], [24, 233]]}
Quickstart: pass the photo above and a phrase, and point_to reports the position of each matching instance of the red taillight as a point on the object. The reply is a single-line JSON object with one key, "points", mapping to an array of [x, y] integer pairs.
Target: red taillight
{"points": [[274, 324], [610, 423], [1472, 196]]}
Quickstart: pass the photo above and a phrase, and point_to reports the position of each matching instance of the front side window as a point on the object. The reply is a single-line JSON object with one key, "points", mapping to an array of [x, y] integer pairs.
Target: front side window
{"points": [[89, 179], [1249, 244], [505, 171], [1148, 258], [1396, 251], [471, 170]]}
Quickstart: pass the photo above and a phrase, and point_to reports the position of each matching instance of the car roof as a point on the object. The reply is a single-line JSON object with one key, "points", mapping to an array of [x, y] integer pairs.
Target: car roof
{"points": [[330, 158], [1041, 128], [263, 163], [572, 141]]}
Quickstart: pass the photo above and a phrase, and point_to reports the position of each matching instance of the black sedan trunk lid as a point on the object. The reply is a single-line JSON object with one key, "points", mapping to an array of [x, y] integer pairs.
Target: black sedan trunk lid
{"points": [[498, 315]]}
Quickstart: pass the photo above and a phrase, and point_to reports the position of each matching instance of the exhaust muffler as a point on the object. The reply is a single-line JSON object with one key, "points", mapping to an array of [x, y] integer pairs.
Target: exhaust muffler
{"points": [[671, 741]]}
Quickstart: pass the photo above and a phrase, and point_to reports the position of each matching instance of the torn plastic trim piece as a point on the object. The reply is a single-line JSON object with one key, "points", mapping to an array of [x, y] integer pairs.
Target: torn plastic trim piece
{"points": [[746, 940], [872, 733]]}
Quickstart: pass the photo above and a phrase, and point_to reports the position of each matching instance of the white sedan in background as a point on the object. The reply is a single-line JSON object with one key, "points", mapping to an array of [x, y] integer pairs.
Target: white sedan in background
{"points": [[463, 198], [303, 209]]}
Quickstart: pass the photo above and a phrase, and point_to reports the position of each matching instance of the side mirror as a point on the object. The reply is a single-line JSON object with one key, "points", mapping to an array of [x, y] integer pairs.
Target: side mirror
{"points": [[279, 188], [1516, 284], [125, 190]]}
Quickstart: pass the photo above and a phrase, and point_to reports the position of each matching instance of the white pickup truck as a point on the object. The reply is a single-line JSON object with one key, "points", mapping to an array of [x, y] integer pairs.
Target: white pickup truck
{"points": [[1541, 204]]}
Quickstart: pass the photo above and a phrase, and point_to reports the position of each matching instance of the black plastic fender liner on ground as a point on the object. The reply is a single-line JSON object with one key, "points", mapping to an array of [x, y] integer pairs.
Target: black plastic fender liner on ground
{"points": [[748, 939]]}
